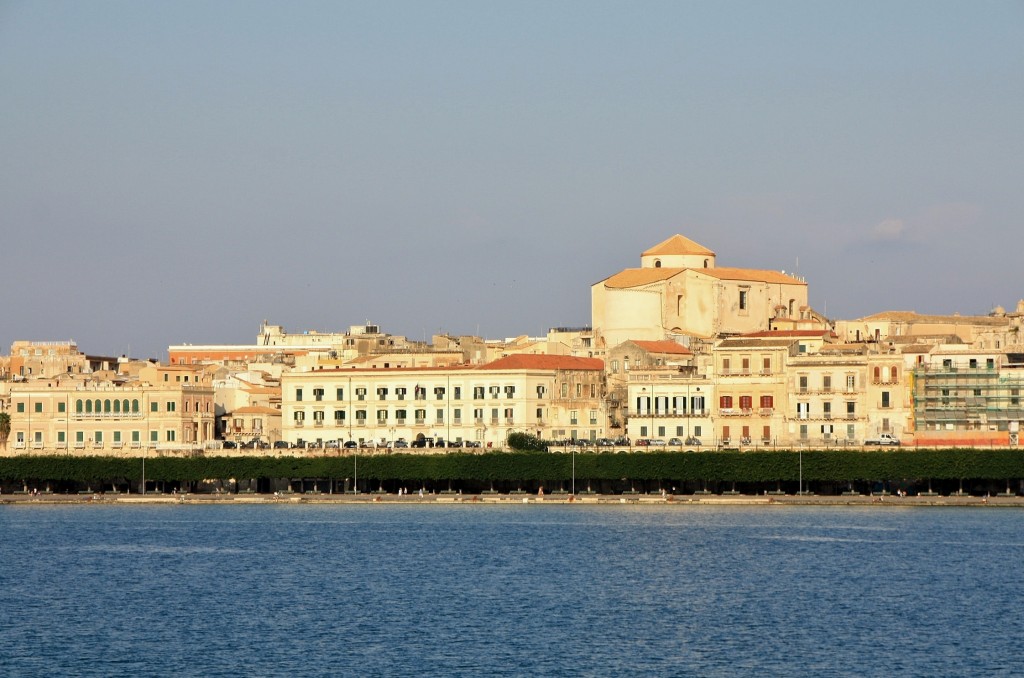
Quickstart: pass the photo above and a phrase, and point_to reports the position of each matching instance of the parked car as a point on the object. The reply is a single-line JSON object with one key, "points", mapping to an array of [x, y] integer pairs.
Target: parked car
{"points": [[693, 441], [674, 442], [351, 444], [883, 439], [281, 445], [230, 445], [642, 442], [656, 442], [454, 443], [400, 443]]}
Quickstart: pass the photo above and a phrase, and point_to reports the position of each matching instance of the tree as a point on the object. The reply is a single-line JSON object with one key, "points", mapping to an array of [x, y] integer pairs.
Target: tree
{"points": [[5, 427]]}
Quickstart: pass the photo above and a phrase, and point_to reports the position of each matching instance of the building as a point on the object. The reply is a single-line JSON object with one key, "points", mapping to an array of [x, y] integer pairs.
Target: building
{"points": [[553, 397], [167, 408], [680, 291]]}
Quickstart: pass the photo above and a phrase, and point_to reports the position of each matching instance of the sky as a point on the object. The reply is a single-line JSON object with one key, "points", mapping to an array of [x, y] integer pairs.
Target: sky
{"points": [[178, 172]]}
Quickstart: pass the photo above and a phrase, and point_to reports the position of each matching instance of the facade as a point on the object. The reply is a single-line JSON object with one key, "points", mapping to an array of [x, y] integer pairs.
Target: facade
{"points": [[666, 403], [168, 408], [553, 397]]}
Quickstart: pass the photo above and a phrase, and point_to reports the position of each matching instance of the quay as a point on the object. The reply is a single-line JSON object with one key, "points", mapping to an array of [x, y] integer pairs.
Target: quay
{"points": [[384, 499]]}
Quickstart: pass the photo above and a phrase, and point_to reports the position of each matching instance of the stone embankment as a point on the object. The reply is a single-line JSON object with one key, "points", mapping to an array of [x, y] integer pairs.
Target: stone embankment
{"points": [[770, 500]]}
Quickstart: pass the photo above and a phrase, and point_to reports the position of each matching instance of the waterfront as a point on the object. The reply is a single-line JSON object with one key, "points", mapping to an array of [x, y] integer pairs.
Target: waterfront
{"points": [[452, 589]]}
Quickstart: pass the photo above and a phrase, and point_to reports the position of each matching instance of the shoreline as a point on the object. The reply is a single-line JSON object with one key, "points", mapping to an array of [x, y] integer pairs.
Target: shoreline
{"points": [[886, 500]]}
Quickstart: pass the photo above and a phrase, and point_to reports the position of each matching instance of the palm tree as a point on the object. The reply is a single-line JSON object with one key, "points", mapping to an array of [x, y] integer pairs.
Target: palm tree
{"points": [[5, 427]]}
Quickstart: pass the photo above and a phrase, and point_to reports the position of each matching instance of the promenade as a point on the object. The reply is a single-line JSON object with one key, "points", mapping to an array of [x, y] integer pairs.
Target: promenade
{"points": [[383, 499]]}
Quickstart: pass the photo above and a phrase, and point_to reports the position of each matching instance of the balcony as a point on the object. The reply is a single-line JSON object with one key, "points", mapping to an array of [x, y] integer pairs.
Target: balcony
{"points": [[766, 411]]}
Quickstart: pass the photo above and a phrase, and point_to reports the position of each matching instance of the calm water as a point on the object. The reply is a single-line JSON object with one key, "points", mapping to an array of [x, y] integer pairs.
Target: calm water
{"points": [[509, 590]]}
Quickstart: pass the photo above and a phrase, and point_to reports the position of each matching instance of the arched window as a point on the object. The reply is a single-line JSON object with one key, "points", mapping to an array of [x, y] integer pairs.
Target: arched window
{"points": [[706, 263], [893, 373], [124, 405], [117, 406], [106, 405], [96, 406], [657, 263], [78, 406], [135, 406], [88, 407], [878, 374]]}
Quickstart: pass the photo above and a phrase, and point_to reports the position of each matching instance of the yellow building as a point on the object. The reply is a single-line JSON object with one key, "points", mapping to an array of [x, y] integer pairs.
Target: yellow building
{"points": [[679, 290], [553, 397], [166, 408]]}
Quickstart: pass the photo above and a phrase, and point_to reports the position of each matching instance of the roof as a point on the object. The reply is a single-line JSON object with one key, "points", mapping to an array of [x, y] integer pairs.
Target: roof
{"points": [[638, 277], [254, 409], [664, 346], [779, 334], [677, 244], [755, 343], [755, 274], [911, 316], [533, 361]]}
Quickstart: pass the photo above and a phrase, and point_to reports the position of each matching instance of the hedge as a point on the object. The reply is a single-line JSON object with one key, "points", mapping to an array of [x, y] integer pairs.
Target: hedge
{"points": [[841, 466]]}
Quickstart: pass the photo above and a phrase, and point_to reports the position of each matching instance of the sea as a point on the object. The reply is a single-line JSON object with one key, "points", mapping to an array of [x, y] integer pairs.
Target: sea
{"points": [[510, 590]]}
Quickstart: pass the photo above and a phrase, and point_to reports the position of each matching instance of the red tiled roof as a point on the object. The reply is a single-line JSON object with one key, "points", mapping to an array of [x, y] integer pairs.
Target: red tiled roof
{"points": [[677, 244], [664, 346]]}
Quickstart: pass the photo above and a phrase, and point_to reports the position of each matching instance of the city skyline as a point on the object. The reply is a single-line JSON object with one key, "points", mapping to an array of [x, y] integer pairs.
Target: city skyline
{"points": [[177, 174]]}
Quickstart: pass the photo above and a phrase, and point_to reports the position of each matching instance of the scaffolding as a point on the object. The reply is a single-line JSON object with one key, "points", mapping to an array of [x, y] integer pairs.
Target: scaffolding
{"points": [[953, 398]]}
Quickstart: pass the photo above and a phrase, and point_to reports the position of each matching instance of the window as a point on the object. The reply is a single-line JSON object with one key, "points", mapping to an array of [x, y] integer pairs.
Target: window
{"points": [[885, 399], [135, 406], [478, 415], [725, 366], [60, 437], [540, 392], [827, 410], [171, 406], [767, 402], [803, 384], [746, 402], [766, 365], [340, 394], [878, 374], [299, 416], [743, 300], [593, 417], [38, 407], [420, 393], [851, 382], [79, 436], [851, 409], [494, 391], [318, 416], [400, 392], [478, 393], [565, 389], [849, 431], [318, 394], [574, 417], [117, 436], [457, 393], [615, 367], [361, 417], [421, 416], [510, 391], [725, 402], [78, 406], [382, 394], [360, 394], [298, 394], [766, 433], [579, 390], [803, 431], [440, 416], [154, 436], [894, 374], [154, 406], [21, 407], [339, 416], [803, 410], [826, 383], [135, 436], [382, 416], [725, 433], [439, 393], [171, 436], [745, 362]]}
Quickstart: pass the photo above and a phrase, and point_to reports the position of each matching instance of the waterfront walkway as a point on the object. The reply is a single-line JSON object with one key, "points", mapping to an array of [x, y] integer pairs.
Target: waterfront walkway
{"points": [[887, 500]]}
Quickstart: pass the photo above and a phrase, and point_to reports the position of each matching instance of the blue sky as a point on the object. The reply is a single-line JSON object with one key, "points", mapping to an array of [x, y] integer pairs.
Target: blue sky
{"points": [[177, 172]]}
